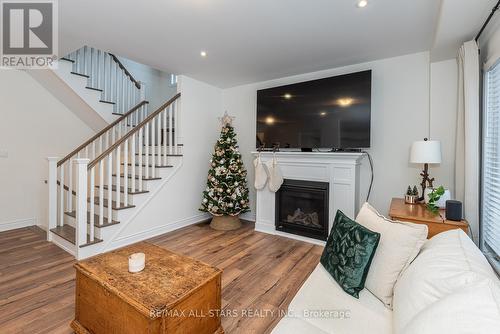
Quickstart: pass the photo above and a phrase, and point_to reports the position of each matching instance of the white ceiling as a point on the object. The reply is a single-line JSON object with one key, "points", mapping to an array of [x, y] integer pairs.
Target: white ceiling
{"points": [[255, 40]]}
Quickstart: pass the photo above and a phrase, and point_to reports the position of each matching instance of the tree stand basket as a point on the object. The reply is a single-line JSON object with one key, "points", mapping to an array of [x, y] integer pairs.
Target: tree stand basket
{"points": [[225, 223]]}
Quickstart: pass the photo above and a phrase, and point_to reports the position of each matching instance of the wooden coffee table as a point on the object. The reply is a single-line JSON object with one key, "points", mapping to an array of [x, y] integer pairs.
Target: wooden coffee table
{"points": [[173, 294]]}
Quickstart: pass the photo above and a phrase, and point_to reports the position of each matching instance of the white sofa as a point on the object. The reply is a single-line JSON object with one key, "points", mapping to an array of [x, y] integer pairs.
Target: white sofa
{"points": [[449, 288]]}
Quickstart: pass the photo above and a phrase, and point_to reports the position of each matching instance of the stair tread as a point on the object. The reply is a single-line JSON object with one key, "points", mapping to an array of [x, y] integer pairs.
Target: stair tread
{"points": [[168, 155], [144, 165], [113, 204], [108, 102], [137, 177], [96, 219], [92, 88], [130, 191], [80, 74], [68, 233]]}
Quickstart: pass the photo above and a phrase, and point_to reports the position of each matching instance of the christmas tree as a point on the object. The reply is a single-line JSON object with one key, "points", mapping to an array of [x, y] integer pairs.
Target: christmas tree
{"points": [[227, 192]]}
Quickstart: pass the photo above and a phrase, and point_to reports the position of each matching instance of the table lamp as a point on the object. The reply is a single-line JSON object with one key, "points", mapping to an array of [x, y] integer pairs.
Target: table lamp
{"points": [[425, 152]]}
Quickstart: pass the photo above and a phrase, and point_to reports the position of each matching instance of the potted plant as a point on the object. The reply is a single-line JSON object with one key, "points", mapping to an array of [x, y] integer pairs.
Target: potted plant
{"points": [[435, 198], [411, 196]]}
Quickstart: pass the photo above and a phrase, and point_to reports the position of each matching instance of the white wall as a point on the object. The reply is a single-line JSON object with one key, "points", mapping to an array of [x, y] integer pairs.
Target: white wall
{"points": [[33, 126], [444, 99], [179, 200], [400, 115], [158, 87]]}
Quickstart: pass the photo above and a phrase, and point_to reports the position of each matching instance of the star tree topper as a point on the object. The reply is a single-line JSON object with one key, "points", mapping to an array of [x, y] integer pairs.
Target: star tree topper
{"points": [[226, 119]]}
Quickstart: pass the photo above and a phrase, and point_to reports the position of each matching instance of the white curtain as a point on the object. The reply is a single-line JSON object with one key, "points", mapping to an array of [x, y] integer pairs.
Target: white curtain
{"points": [[467, 148]]}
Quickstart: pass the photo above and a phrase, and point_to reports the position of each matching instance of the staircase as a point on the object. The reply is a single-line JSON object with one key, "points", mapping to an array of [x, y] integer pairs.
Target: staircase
{"points": [[99, 188], [105, 77]]}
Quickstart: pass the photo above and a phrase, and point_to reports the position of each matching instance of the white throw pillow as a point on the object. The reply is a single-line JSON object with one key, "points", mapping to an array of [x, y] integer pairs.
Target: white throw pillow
{"points": [[447, 263], [399, 244], [472, 309]]}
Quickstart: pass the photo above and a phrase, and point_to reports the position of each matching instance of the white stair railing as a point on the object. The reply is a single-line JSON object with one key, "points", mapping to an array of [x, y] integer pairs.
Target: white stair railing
{"points": [[153, 138], [62, 173], [106, 73]]}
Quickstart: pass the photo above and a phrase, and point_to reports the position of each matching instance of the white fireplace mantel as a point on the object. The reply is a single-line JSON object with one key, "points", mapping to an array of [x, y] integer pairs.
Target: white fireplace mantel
{"points": [[340, 170]]}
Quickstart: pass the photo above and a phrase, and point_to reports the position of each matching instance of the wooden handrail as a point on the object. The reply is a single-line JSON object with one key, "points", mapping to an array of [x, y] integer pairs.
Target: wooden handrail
{"points": [[100, 133], [131, 132], [115, 58]]}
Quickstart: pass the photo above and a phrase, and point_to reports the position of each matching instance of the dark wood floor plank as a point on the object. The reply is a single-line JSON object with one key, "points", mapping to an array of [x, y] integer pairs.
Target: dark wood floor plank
{"points": [[261, 273]]}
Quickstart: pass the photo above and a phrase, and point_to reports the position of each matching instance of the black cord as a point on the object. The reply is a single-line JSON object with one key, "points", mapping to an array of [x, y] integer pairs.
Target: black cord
{"points": [[371, 180]]}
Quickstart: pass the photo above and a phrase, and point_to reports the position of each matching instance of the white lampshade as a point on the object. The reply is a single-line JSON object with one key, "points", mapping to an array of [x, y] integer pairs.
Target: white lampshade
{"points": [[425, 152]]}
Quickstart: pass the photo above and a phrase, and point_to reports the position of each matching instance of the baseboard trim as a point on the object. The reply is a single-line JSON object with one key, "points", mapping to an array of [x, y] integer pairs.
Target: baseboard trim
{"points": [[270, 229], [15, 224], [153, 232], [251, 217]]}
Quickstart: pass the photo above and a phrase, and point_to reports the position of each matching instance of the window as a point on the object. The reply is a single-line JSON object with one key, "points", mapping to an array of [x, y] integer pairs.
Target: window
{"points": [[490, 221], [173, 79]]}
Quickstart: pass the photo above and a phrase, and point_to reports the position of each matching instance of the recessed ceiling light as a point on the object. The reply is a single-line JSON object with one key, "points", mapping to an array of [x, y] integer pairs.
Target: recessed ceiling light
{"points": [[287, 96], [362, 3], [323, 113], [203, 53]]}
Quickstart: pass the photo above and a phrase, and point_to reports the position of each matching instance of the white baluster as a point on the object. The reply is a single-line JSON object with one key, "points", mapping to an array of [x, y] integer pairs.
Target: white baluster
{"points": [[69, 205], [52, 184], [146, 149], [110, 187], [158, 140], [99, 70], [94, 67], [125, 173], [104, 75], [78, 61], [132, 163], [123, 91], [84, 60], [170, 130], [101, 192], [112, 82], [176, 129], [108, 86], [153, 148], [61, 195], [118, 180], [81, 202], [142, 91], [140, 159], [92, 204], [164, 118]]}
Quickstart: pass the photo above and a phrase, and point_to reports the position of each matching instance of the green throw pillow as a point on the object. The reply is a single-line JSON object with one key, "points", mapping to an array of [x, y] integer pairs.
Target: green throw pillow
{"points": [[349, 252]]}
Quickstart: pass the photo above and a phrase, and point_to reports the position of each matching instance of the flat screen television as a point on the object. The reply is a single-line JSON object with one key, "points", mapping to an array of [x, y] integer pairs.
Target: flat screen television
{"points": [[326, 113]]}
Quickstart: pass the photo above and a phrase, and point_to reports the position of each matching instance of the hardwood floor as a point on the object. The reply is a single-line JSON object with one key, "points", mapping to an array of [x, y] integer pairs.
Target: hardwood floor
{"points": [[261, 274]]}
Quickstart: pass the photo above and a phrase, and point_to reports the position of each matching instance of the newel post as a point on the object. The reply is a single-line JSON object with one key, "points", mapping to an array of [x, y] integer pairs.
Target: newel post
{"points": [[52, 183], [81, 202]]}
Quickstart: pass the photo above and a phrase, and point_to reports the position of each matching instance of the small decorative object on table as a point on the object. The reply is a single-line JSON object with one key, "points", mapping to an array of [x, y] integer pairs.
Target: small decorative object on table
{"points": [[434, 195], [411, 196], [226, 195], [438, 201], [136, 262]]}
